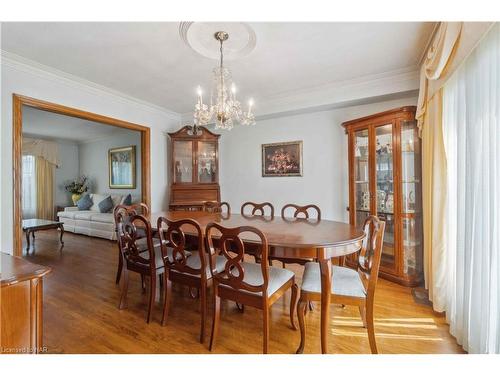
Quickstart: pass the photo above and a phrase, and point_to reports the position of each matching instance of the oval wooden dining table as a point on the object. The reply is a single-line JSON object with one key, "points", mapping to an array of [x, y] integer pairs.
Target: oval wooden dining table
{"points": [[291, 238]]}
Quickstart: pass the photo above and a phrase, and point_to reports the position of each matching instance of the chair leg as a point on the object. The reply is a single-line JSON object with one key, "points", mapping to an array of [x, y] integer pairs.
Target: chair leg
{"points": [[283, 265], [293, 304], [152, 295], [123, 296], [301, 311], [241, 308], [265, 314], [216, 320], [311, 306], [120, 267], [203, 308], [166, 298], [160, 279], [362, 312], [371, 329]]}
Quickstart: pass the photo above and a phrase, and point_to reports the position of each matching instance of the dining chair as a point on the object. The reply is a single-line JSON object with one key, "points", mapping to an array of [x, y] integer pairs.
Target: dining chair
{"points": [[263, 210], [297, 212], [138, 208], [354, 287], [258, 209], [139, 254], [251, 284], [190, 268], [216, 207]]}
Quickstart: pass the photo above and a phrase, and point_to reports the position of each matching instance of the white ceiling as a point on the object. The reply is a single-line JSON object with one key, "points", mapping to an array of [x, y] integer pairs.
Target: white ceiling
{"points": [[48, 125], [149, 61]]}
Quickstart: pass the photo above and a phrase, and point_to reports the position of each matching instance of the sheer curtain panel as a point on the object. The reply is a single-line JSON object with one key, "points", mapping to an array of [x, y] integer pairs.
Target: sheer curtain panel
{"points": [[471, 129]]}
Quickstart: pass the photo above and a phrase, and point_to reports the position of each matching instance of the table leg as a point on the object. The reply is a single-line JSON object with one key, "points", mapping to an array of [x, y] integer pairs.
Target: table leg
{"points": [[326, 271], [61, 227]]}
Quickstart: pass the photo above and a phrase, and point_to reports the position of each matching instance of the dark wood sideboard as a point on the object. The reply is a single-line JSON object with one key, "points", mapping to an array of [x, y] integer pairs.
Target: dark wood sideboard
{"points": [[21, 305]]}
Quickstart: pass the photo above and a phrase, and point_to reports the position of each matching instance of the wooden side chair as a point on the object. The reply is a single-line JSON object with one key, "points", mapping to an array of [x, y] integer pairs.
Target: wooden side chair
{"points": [[295, 212], [189, 268], [135, 209], [265, 209], [349, 286], [217, 207], [138, 254], [256, 285]]}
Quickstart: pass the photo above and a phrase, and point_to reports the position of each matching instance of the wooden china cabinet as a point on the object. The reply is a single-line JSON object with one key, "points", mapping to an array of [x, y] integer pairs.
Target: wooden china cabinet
{"points": [[194, 168], [385, 180]]}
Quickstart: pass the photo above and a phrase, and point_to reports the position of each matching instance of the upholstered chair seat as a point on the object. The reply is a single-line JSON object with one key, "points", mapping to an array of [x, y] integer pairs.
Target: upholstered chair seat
{"points": [[253, 276], [345, 281], [194, 262]]}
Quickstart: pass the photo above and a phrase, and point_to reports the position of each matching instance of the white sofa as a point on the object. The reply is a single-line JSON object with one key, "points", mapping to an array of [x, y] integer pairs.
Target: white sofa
{"points": [[92, 222]]}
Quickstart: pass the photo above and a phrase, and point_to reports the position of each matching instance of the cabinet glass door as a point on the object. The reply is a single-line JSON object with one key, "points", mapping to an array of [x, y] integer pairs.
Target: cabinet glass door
{"points": [[384, 196], [361, 176], [183, 162], [411, 210], [207, 163]]}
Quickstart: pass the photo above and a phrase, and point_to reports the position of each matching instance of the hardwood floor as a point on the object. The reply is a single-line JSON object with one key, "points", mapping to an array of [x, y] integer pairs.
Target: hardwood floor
{"points": [[81, 314]]}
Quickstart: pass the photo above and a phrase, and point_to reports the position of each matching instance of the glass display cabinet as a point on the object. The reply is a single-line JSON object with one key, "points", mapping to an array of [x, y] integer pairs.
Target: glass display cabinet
{"points": [[194, 168], [385, 180]]}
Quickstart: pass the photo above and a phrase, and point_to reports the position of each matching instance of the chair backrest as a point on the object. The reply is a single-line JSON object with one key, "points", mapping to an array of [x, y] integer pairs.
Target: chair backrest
{"points": [[371, 253], [173, 234], [130, 228], [215, 207], [228, 243], [258, 209], [301, 210]]}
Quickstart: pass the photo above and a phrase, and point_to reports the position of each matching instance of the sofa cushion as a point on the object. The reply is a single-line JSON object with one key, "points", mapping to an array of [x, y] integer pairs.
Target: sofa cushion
{"points": [[127, 200], [67, 214], [97, 198], [117, 199], [102, 217], [83, 215], [84, 203], [105, 205]]}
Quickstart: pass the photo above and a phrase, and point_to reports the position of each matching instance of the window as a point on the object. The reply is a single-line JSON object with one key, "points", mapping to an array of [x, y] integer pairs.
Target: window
{"points": [[29, 187]]}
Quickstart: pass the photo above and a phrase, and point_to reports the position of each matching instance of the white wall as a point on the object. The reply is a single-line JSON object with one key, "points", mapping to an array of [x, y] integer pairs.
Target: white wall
{"points": [[94, 161], [325, 177], [68, 169], [30, 81]]}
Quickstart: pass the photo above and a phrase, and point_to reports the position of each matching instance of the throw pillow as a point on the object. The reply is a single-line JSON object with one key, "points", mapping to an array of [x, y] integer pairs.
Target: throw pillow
{"points": [[84, 203], [106, 204], [127, 201]]}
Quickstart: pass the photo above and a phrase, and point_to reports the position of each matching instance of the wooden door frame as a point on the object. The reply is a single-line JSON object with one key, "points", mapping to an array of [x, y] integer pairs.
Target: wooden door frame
{"points": [[18, 101]]}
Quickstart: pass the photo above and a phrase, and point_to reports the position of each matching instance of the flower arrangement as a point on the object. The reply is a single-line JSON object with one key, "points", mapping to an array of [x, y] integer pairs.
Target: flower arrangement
{"points": [[77, 186]]}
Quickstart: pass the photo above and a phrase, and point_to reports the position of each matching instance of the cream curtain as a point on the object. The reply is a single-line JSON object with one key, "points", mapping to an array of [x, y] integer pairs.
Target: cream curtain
{"points": [[429, 117], [39, 147], [44, 189]]}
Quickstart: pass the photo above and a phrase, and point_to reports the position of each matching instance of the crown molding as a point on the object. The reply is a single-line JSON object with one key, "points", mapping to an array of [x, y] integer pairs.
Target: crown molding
{"points": [[17, 62], [338, 94]]}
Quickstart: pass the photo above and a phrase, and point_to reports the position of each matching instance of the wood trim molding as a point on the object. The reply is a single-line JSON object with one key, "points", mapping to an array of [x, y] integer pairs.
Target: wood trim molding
{"points": [[17, 128]]}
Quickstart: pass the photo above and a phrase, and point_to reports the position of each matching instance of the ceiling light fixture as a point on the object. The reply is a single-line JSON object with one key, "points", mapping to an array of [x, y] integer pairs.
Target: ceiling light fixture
{"points": [[226, 110]]}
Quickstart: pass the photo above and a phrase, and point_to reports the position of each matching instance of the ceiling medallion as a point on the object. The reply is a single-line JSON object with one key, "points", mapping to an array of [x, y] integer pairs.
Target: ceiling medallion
{"points": [[224, 109]]}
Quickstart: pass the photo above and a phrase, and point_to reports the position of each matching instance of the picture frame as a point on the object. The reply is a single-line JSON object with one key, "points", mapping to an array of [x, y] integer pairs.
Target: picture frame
{"points": [[122, 167], [282, 159]]}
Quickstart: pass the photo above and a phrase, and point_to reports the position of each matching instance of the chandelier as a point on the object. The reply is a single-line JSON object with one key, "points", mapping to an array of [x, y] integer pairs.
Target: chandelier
{"points": [[226, 110]]}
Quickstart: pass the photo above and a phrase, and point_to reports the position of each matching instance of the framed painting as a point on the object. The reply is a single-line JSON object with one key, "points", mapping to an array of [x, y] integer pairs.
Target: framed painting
{"points": [[282, 159], [122, 167]]}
